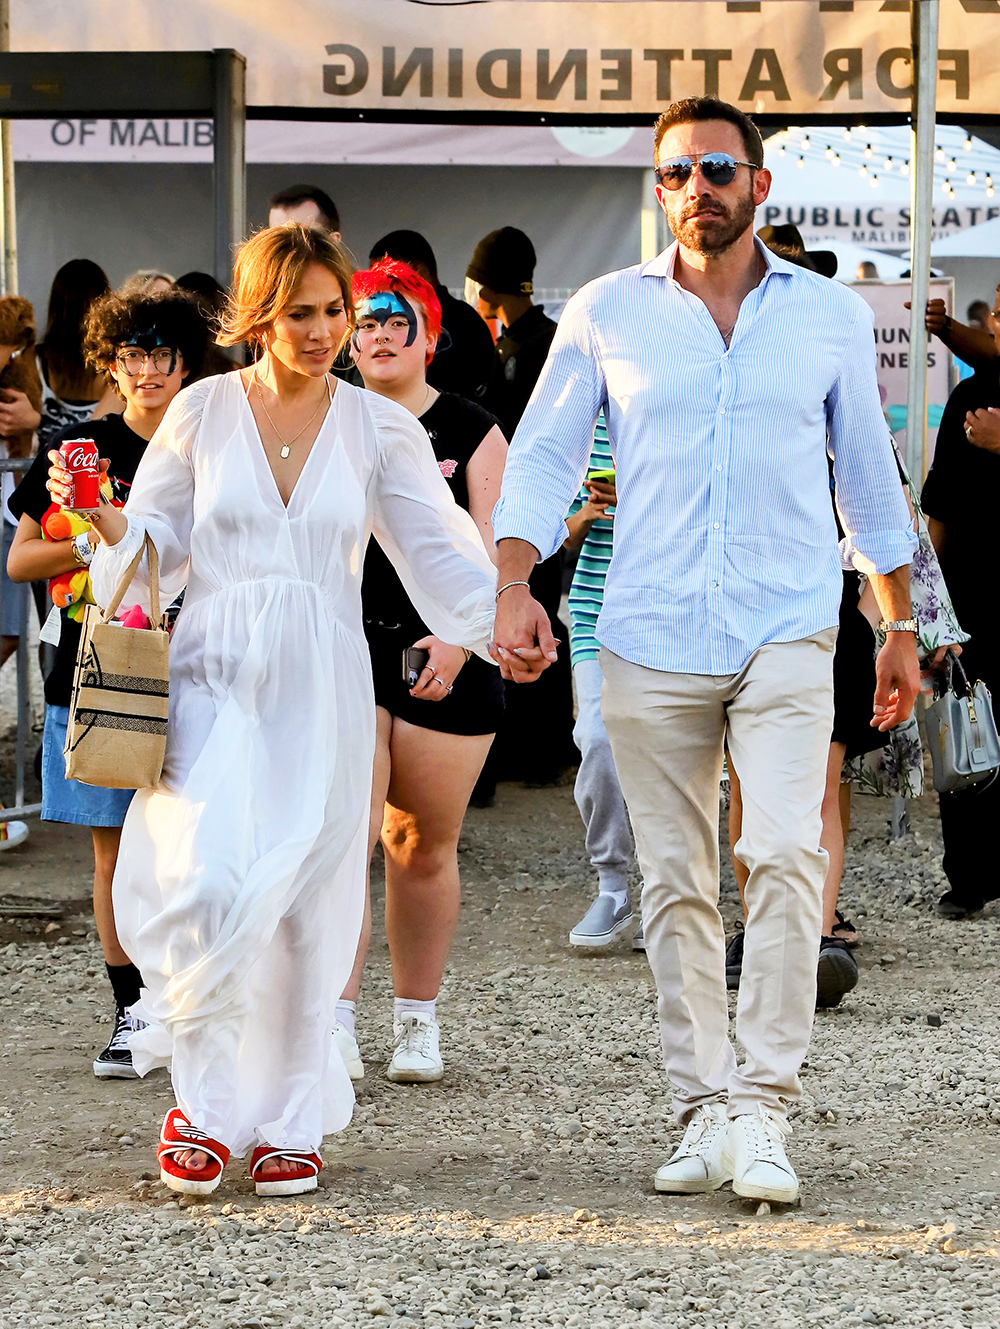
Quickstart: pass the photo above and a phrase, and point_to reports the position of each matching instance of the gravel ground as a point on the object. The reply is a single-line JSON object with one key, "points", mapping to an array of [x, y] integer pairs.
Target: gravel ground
{"points": [[520, 1188]]}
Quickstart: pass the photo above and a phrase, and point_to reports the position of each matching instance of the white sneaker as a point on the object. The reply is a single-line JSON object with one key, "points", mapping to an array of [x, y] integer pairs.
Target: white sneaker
{"points": [[347, 1045], [755, 1154], [417, 1058], [698, 1164]]}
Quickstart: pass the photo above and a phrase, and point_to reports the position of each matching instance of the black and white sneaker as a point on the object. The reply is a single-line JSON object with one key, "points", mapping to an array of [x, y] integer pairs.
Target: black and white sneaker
{"points": [[115, 1062], [734, 960]]}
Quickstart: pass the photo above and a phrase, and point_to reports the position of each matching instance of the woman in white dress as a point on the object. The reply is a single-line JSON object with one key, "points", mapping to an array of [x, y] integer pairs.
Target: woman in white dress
{"points": [[241, 879]]}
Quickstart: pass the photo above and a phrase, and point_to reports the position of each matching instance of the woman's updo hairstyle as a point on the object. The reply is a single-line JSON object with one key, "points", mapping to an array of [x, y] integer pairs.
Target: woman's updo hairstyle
{"points": [[269, 268]]}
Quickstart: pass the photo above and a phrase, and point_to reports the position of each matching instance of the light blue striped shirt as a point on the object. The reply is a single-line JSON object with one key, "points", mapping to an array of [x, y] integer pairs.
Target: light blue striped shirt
{"points": [[725, 536]]}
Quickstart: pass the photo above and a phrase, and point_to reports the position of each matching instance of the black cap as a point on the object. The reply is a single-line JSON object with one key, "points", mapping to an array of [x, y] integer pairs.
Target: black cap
{"points": [[504, 261]]}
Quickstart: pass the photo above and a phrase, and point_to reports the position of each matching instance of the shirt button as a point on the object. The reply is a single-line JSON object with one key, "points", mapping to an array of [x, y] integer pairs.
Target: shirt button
{"points": [[715, 525], [715, 583], [718, 468], [722, 410]]}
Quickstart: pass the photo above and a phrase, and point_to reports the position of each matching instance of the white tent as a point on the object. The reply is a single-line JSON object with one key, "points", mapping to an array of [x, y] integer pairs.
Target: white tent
{"points": [[981, 241]]}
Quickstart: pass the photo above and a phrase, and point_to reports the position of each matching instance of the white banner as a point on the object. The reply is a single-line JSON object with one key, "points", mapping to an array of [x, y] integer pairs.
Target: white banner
{"points": [[325, 143], [874, 226], [343, 57], [892, 349]]}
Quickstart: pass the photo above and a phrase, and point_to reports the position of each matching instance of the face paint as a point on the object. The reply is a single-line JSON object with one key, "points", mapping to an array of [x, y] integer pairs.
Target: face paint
{"points": [[390, 304]]}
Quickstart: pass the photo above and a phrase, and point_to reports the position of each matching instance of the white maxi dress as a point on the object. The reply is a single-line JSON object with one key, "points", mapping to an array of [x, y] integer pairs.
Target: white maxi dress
{"points": [[240, 882]]}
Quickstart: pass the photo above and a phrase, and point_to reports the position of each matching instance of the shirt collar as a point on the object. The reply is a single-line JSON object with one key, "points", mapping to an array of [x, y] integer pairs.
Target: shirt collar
{"points": [[663, 264]]}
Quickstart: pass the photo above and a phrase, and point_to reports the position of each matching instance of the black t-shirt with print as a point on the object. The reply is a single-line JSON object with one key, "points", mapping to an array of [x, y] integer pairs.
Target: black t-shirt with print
{"points": [[455, 427], [123, 448]]}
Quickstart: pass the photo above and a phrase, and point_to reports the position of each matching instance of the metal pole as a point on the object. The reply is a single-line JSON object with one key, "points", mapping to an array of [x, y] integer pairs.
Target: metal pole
{"points": [[230, 159], [8, 227], [924, 39]]}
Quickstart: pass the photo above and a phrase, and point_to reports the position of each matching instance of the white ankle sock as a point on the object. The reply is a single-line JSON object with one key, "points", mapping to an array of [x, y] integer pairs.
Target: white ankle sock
{"points": [[407, 1006], [619, 895], [345, 1014]]}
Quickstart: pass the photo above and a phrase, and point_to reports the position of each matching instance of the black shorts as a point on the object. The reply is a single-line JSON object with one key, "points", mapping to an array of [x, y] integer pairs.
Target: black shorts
{"points": [[854, 677], [475, 705]]}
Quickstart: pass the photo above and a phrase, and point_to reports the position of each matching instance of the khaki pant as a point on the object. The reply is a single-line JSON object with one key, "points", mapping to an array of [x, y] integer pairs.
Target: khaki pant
{"points": [[667, 733]]}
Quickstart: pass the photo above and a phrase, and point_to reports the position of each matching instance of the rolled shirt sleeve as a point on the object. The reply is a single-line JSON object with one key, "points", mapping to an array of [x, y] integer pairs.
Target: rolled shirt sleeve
{"points": [[879, 535], [548, 454]]}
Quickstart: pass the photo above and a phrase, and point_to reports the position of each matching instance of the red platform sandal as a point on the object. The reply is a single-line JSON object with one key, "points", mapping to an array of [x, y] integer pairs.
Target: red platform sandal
{"points": [[304, 1177], [176, 1137]]}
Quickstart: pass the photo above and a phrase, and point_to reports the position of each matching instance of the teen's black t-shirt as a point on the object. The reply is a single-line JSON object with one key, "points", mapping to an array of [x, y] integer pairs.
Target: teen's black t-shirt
{"points": [[123, 448], [455, 427]]}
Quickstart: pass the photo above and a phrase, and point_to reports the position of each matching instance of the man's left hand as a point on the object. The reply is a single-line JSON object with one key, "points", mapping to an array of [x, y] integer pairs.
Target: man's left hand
{"points": [[982, 428], [897, 681]]}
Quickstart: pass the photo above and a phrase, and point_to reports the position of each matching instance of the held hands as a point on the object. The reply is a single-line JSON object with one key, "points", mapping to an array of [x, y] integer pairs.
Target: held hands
{"points": [[109, 523], [440, 671], [982, 429], [897, 681], [523, 645], [602, 496]]}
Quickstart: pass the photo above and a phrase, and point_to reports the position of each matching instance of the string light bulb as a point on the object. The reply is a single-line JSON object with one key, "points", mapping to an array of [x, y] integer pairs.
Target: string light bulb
{"points": [[887, 164], [847, 136], [781, 149], [952, 165], [805, 144], [939, 153], [862, 170], [874, 181], [967, 145], [828, 154], [904, 169], [868, 149], [970, 179], [800, 163], [836, 159], [946, 187]]}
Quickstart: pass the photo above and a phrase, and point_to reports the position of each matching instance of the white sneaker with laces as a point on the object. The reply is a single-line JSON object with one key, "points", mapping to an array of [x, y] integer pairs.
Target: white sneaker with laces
{"points": [[755, 1154], [698, 1164], [417, 1058], [347, 1045]]}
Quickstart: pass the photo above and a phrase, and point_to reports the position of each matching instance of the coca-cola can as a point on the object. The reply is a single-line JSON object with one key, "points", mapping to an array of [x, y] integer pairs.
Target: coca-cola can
{"points": [[81, 459]]}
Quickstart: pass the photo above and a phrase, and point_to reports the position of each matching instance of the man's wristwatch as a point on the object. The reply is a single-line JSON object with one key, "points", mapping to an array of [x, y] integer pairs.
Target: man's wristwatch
{"points": [[898, 625]]}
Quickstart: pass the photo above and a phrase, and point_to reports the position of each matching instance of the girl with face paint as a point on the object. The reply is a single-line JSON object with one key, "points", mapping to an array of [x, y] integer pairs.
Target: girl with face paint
{"points": [[147, 348], [240, 884], [432, 737]]}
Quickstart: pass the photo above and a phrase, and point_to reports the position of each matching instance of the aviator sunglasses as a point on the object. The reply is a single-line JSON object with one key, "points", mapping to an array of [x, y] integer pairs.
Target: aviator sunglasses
{"points": [[718, 168]]}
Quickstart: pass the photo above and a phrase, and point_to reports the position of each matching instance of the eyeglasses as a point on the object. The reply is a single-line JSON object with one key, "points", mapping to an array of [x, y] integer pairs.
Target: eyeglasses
{"points": [[133, 360], [718, 168]]}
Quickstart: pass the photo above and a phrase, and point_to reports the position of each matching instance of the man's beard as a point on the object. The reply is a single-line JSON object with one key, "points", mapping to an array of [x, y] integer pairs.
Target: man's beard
{"points": [[727, 225]]}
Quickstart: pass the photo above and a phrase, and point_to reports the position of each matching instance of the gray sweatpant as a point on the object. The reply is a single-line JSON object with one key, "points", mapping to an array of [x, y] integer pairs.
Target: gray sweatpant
{"points": [[597, 792]]}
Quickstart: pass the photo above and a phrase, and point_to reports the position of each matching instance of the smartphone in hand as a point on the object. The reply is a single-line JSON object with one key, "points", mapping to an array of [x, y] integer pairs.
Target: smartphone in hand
{"points": [[414, 663]]}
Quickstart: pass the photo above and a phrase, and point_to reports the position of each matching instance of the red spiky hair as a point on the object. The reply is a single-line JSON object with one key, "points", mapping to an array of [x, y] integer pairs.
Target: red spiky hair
{"points": [[388, 274]]}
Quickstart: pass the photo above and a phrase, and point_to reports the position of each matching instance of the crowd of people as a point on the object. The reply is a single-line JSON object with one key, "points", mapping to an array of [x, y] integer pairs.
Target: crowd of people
{"points": [[701, 437]]}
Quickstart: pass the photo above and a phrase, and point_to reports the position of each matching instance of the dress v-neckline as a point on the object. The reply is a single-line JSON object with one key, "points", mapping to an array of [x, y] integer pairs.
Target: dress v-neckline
{"points": [[245, 394]]}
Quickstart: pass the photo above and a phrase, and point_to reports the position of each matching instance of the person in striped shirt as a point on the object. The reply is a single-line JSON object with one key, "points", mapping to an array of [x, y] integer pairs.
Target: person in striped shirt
{"points": [[597, 791]]}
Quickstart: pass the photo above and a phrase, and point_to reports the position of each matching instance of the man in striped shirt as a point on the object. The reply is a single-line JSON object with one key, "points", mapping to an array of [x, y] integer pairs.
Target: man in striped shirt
{"points": [[597, 791], [727, 378]]}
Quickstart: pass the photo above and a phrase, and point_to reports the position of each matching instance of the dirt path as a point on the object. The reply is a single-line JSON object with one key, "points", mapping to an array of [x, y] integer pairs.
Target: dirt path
{"points": [[441, 1202]]}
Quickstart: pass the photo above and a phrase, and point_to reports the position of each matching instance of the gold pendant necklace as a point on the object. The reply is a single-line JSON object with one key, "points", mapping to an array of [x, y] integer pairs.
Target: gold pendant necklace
{"points": [[287, 447]]}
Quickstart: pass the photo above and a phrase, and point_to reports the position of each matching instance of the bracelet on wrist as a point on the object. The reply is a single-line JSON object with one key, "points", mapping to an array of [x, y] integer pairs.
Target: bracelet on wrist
{"points": [[507, 587]]}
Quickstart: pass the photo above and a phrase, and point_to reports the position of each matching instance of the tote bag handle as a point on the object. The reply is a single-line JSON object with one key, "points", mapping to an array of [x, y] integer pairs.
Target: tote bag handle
{"points": [[154, 584]]}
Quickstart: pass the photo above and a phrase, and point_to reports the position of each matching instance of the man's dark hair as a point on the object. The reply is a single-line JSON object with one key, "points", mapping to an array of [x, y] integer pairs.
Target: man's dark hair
{"points": [[406, 247], [298, 194], [977, 309], [116, 319], [693, 109]]}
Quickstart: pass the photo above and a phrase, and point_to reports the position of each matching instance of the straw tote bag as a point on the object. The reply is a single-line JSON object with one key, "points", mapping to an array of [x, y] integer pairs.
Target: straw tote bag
{"points": [[117, 731]]}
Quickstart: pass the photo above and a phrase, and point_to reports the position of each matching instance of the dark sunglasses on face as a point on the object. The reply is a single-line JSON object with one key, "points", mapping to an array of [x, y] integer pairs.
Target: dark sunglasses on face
{"points": [[718, 168]]}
